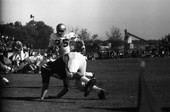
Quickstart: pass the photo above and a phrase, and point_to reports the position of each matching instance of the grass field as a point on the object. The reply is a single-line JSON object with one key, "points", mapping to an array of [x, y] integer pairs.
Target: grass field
{"points": [[119, 77]]}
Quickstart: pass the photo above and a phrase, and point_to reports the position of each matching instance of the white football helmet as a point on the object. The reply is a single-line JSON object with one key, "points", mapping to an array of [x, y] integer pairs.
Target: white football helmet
{"points": [[73, 36]]}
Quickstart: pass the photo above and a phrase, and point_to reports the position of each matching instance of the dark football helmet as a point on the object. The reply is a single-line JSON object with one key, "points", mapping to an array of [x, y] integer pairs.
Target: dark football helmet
{"points": [[60, 28]]}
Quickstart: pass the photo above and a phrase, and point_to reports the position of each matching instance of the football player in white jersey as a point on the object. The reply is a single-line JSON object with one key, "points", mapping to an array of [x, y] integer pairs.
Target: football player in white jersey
{"points": [[78, 45], [76, 68], [76, 64], [73, 66]]}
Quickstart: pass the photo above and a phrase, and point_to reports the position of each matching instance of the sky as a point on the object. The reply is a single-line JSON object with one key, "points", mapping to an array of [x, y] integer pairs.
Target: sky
{"points": [[148, 19]]}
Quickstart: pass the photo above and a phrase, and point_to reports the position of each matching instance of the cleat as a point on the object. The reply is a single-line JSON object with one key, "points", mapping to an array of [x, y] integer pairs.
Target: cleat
{"points": [[89, 86], [102, 94]]}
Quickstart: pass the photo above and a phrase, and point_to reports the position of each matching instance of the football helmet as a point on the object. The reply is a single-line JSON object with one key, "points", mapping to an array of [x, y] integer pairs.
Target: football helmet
{"points": [[60, 28], [73, 36]]}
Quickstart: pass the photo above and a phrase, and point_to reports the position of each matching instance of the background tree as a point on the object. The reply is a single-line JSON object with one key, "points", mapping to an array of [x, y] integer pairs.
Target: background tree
{"points": [[94, 37], [36, 33], [114, 37], [114, 34], [43, 35], [84, 34]]}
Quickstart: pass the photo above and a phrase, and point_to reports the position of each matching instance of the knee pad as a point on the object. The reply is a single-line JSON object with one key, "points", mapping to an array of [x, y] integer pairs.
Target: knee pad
{"points": [[70, 75], [78, 75]]}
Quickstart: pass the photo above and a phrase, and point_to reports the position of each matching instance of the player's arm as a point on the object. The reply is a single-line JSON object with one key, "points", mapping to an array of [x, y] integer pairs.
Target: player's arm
{"points": [[81, 46], [50, 45], [65, 89], [49, 49]]}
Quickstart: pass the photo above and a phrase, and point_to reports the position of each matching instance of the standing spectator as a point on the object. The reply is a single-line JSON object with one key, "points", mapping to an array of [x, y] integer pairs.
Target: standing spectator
{"points": [[18, 53]]}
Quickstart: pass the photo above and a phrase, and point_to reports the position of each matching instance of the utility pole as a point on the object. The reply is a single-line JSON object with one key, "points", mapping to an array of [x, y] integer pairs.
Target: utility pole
{"points": [[31, 16]]}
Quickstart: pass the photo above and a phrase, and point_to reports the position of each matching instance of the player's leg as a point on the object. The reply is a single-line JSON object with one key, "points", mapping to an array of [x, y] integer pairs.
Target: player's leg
{"points": [[55, 69], [90, 75], [38, 65], [66, 83], [79, 85], [100, 92], [82, 70], [58, 67], [82, 82], [91, 84], [76, 69], [73, 62], [45, 73]]}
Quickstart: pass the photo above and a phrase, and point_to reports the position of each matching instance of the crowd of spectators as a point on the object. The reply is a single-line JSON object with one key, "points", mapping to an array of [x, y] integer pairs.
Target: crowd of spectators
{"points": [[15, 57], [146, 51], [18, 58], [8, 44]]}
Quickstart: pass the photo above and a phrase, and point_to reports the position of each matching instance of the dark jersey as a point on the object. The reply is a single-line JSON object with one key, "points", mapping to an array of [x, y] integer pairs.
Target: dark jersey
{"points": [[53, 68]]}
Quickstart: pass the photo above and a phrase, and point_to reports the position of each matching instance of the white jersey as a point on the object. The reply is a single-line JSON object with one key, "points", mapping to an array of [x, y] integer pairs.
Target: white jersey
{"points": [[75, 62], [67, 43], [60, 43]]}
